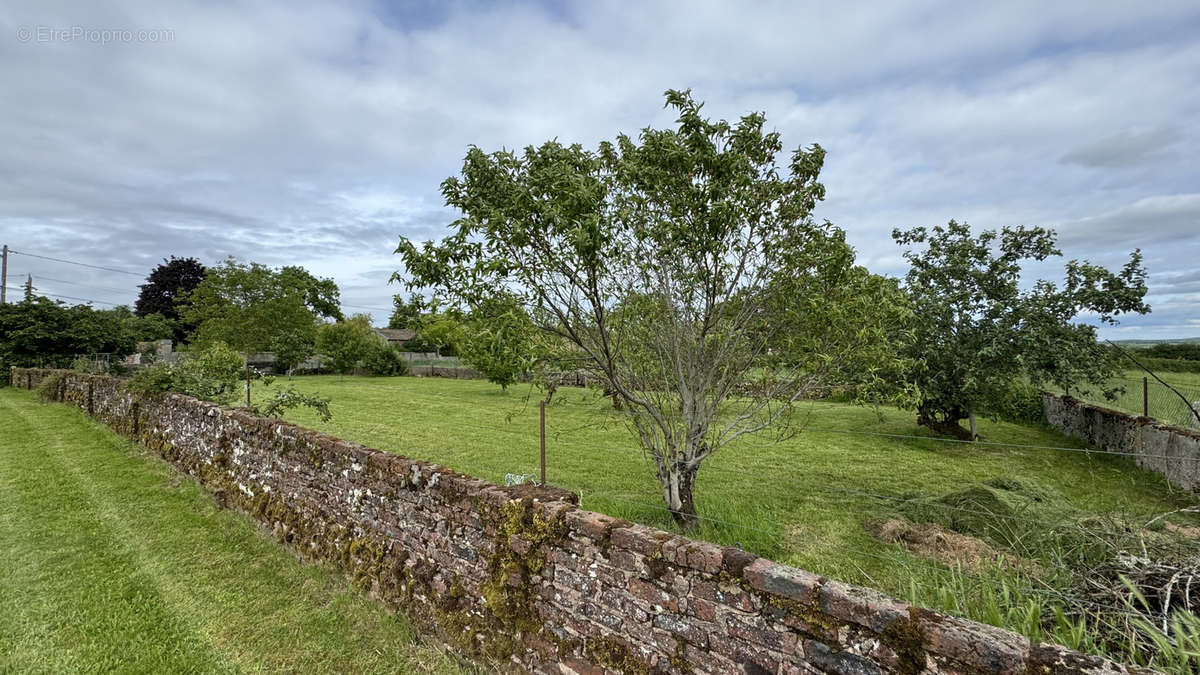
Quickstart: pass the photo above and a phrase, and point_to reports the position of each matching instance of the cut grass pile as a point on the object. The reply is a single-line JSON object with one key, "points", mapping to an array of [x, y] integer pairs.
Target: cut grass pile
{"points": [[109, 560], [801, 500]]}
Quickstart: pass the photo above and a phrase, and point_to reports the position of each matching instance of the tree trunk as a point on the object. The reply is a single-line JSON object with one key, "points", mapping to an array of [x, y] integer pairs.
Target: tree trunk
{"points": [[247, 383], [946, 424], [678, 482], [971, 420]]}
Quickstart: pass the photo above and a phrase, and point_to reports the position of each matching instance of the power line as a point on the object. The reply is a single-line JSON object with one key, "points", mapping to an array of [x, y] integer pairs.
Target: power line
{"points": [[69, 297], [75, 262], [37, 276]]}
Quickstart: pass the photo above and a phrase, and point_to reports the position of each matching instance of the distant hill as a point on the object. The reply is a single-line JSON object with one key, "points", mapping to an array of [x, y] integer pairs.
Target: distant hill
{"points": [[1147, 343]]}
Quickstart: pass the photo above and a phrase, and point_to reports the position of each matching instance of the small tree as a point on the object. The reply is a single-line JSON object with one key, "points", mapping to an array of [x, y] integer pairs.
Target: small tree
{"points": [[348, 342], [498, 341], [977, 330], [702, 227], [210, 374], [293, 347]]}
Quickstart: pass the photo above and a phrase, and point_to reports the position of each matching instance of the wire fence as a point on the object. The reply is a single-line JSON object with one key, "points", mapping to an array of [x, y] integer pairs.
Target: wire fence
{"points": [[1148, 397]]}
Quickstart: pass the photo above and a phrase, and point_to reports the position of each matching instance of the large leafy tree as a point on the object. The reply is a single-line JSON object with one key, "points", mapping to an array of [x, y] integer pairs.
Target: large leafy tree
{"points": [[253, 308], [165, 286], [979, 327], [39, 331], [704, 231]]}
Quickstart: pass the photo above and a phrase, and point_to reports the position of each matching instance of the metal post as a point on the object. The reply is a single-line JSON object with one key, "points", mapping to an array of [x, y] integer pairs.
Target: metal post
{"points": [[1145, 397], [4, 277], [542, 426]]}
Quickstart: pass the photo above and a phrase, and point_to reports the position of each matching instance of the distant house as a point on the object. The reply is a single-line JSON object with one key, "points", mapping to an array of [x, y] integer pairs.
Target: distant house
{"points": [[396, 336]]}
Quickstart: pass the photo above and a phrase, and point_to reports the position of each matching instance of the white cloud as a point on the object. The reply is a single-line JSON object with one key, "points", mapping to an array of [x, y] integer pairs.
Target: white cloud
{"points": [[317, 134]]}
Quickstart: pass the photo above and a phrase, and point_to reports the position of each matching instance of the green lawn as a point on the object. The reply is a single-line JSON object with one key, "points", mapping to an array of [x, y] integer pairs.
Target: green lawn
{"points": [[797, 500], [111, 561]]}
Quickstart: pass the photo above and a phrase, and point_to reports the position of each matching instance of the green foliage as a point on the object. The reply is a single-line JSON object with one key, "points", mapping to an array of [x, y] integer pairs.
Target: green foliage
{"points": [[47, 390], [407, 314], [250, 307], [439, 332], [1189, 351], [1169, 365], [498, 341], [977, 330], [282, 400], [703, 228], [153, 379], [41, 332], [1019, 402], [211, 374], [166, 287], [90, 366], [384, 359], [347, 343], [293, 347]]}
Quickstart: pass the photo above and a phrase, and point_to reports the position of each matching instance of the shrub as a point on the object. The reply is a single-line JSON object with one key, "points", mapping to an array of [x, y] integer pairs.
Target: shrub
{"points": [[384, 359], [153, 379], [48, 389], [281, 401], [1020, 402], [91, 366], [211, 374]]}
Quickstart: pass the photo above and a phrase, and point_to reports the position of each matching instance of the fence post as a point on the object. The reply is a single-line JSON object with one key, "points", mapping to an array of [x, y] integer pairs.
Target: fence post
{"points": [[1145, 396], [542, 430]]}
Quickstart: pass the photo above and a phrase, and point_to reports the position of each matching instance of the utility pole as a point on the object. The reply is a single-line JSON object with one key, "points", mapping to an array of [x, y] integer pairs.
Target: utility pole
{"points": [[4, 277]]}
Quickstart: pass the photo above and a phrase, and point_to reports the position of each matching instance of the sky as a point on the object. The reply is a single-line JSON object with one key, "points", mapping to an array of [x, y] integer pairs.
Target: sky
{"points": [[318, 134]]}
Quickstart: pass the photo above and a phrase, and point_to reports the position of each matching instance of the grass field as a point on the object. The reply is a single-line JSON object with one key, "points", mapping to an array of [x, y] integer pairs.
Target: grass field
{"points": [[110, 561], [799, 500]]}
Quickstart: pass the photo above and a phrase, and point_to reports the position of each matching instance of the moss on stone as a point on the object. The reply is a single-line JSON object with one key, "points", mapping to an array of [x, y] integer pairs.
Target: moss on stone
{"points": [[907, 640]]}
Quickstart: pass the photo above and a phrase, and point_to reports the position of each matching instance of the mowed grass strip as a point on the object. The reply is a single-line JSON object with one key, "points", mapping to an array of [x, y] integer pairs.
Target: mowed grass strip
{"points": [[798, 500], [110, 560]]}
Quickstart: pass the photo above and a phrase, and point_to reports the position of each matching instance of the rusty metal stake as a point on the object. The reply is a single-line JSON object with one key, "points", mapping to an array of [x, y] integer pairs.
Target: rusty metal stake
{"points": [[542, 425]]}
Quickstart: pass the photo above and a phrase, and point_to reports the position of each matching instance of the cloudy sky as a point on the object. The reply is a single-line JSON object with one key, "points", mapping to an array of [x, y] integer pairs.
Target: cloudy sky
{"points": [[305, 134]]}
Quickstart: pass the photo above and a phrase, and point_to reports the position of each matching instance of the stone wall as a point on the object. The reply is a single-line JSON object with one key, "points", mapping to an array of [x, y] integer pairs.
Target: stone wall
{"points": [[523, 576], [1169, 450]]}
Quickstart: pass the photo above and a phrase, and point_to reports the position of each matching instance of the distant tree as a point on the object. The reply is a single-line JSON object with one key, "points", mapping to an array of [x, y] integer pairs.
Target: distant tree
{"points": [[498, 341], [1189, 351], [143, 328], [293, 347], [166, 285], [347, 343], [440, 332], [384, 359], [41, 331], [702, 225], [29, 291], [251, 306], [320, 295], [977, 330], [406, 314]]}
